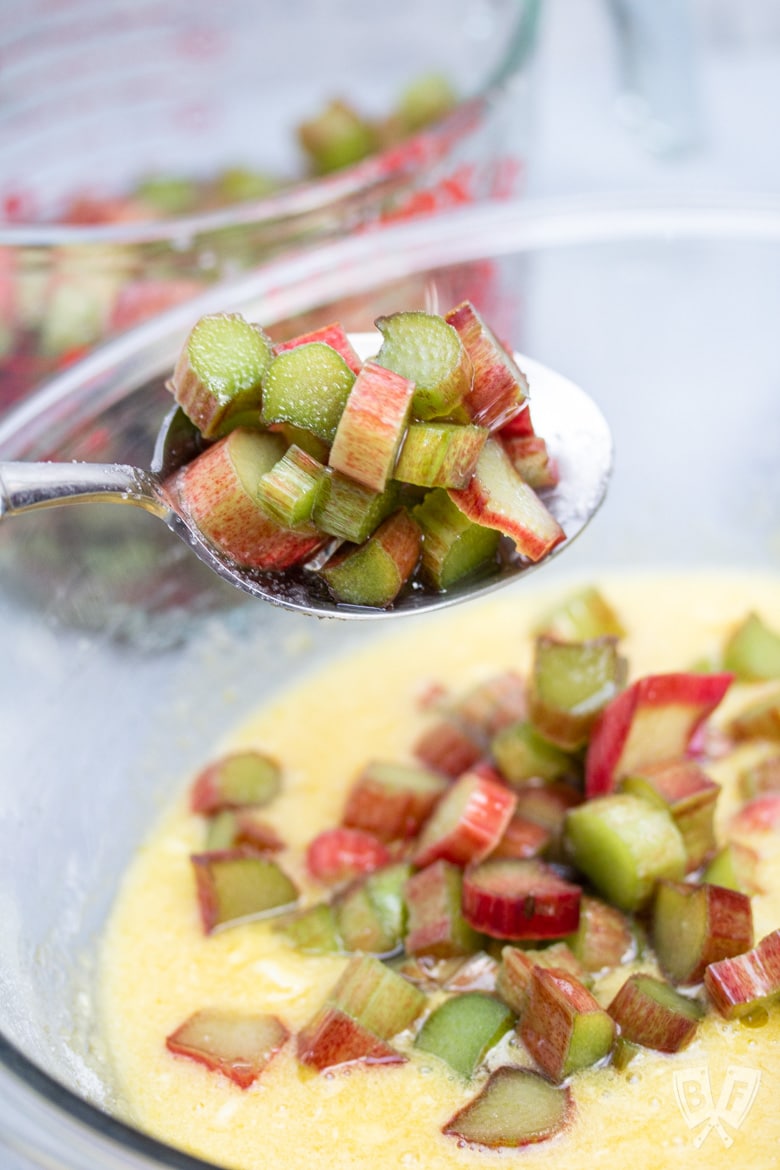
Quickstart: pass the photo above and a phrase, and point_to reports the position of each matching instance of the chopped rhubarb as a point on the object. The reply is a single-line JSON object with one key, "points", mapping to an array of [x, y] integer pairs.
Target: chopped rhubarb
{"points": [[232, 827], [336, 855], [651, 1013], [515, 899], [513, 981], [493, 704], [217, 490], [440, 455], [377, 997], [547, 805], [374, 573], [571, 684], [516, 1107], [392, 800], [462, 1030], [350, 511], [238, 780], [581, 616], [739, 985], [239, 1046], [217, 378], [454, 547], [685, 790], [436, 926], [447, 747], [624, 846], [523, 838], [333, 1038], [651, 722], [332, 335], [753, 650], [307, 386], [698, 924], [313, 931], [336, 137], [497, 497], [234, 885], [604, 937], [564, 1028], [759, 720], [522, 755], [500, 388], [424, 348], [467, 823], [289, 491], [371, 913], [531, 459], [734, 866], [372, 426], [424, 100]]}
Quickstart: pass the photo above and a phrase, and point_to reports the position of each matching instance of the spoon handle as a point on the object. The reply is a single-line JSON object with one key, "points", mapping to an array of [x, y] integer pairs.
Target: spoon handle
{"points": [[27, 486]]}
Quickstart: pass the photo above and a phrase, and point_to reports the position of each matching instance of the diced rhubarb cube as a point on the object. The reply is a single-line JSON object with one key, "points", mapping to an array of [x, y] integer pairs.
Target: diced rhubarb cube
{"points": [[516, 1107], [374, 573], [604, 937], [571, 684], [531, 459], [581, 616], [372, 426], [436, 927], [564, 1027], [462, 1030], [234, 885], [685, 790], [738, 985], [371, 913], [441, 455], [454, 546], [334, 1038], [650, 1012], [515, 899], [513, 981], [493, 704], [523, 755], [376, 996], [332, 335], [237, 1045], [392, 800], [467, 823], [424, 348], [500, 388], [698, 924], [235, 781], [523, 838], [447, 747], [336, 855]]}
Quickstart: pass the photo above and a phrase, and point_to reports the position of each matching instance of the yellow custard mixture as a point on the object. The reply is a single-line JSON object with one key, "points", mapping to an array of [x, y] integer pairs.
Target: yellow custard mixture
{"points": [[158, 967]]}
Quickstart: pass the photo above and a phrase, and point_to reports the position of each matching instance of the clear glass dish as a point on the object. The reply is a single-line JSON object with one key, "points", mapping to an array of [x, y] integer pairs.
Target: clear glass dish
{"points": [[123, 664]]}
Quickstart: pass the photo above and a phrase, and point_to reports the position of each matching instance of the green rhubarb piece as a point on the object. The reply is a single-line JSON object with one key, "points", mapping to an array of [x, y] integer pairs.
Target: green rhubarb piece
{"points": [[650, 1012], [168, 194], [513, 979], [522, 754], [439, 454], [237, 184], [582, 616], [371, 912], [695, 924], [289, 491], [307, 386], [299, 437], [604, 937], [375, 572], [516, 1107], [377, 997], [239, 1046], [434, 898], [760, 720], [453, 547], [218, 375], [753, 651], [237, 780], [462, 1030], [564, 1027], [624, 1052], [337, 137], [221, 831], [689, 795], [350, 511], [734, 866], [425, 349], [313, 931], [424, 100], [386, 888], [571, 683], [238, 884], [624, 846]]}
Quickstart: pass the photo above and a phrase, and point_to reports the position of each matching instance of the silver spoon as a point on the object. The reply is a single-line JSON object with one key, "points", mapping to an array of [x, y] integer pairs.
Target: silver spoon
{"points": [[575, 429]]}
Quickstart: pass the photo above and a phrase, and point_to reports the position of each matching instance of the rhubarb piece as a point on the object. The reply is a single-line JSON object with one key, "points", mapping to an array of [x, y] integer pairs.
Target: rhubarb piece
{"points": [[467, 823], [371, 913], [350, 511], [440, 455], [332, 335], [651, 1013], [462, 1030], [734, 866], [516, 1107], [232, 827], [307, 386], [299, 437], [377, 997], [374, 573], [522, 754], [582, 616], [238, 780], [289, 491], [623, 1052], [651, 722], [332, 1038], [424, 348], [436, 926], [217, 490], [523, 838], [564, 1027], [759, 815], [313, 931], [448, 747], [508, 898], [336, 855], [234, 885], [493, 704], [752, 652], [424, 100], [513, 981], [496, 497], [372, 426], [454, 547], [739, 985], [531, 459], [624, 845], [760, 778], [571, 684], [547, 806], [689, 795], [500, 388], [239, 1046], [695, 925], [392, 800], [760, 720], [218, 375], [337, 137], [386, 887], [603, 938]]}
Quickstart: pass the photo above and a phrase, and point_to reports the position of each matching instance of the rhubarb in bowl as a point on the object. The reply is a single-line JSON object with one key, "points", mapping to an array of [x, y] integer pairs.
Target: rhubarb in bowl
{"points": [[174, 739]]}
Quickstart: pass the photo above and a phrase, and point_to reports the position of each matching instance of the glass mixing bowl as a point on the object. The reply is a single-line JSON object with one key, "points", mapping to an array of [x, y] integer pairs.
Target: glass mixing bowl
{"points": [[202, 105], [123, 664]]}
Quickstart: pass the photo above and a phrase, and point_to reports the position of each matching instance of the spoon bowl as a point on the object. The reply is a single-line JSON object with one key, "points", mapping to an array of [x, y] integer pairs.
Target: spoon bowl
{"points": [[577, 435]]}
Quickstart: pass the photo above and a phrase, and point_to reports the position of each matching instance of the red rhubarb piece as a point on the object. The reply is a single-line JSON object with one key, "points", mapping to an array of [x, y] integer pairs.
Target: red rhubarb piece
{"points": [[371, 426], [392, 800], [336, 855], [332, 335], [467, 823], [509, 898], [448, 747], [239, 1046], [738, 985], [500, 388], [334, 1038], [523, 838]]}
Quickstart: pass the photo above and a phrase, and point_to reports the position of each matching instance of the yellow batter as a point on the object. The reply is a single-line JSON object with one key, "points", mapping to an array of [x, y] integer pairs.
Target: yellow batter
{"points": [[158, 967]]}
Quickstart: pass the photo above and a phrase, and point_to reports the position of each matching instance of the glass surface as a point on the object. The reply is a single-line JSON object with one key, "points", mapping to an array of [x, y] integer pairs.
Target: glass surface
{"points": [[123, 664]]}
